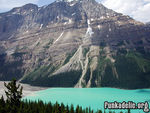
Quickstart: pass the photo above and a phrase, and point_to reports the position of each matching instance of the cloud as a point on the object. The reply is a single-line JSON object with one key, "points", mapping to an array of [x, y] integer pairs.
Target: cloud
{"points": [[6, 5], [138, 9]]}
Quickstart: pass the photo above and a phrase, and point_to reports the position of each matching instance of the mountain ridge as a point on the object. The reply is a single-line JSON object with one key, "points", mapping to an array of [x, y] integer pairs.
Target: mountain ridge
{"points": [[74, 44]]}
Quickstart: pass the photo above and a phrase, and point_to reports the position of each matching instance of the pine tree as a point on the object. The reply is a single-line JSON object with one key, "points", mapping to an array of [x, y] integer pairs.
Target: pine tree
{"points": [[13, 93], [62, 107], [77, 109], [99, 111], [2, 105], [72, 109], [13, 104], [2, 102]]}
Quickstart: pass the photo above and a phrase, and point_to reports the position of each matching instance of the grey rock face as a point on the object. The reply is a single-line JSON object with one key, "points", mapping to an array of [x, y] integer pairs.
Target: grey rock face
{"points": [[69, 43], [30, 16]]}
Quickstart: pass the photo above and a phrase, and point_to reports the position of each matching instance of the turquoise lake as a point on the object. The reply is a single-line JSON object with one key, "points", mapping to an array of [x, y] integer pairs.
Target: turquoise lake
{"points": [[91, 97]]}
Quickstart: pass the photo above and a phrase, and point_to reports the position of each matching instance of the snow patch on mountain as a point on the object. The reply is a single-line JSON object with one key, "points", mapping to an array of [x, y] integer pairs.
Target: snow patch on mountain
{"points": [[59, 37], [41, 26], [89, 29]]}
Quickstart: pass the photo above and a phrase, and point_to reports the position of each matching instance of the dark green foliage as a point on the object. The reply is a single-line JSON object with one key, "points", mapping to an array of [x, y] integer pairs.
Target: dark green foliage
{"points": [[121, 51], [67, 59], [40, 72], [140, 42], [109, 77], [40, 107], [103, 73], [10, 70], [17, 54], [85, 51], [102, 44], [46, 46], [128, 67], [13, 104], [87, 75], [2, 105], [93, 84], [133, 67], [68, 79], [13, 93], [121, 43], [69, 55], [141, 50], [99, 111]]}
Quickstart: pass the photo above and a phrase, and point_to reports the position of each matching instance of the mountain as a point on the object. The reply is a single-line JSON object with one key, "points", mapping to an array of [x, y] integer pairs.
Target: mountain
{"points": [[74, 43], [148, 23]]}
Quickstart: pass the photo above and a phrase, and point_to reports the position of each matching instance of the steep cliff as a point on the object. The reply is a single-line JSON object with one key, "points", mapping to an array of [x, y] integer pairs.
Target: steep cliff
{"points": [[76, 43]]}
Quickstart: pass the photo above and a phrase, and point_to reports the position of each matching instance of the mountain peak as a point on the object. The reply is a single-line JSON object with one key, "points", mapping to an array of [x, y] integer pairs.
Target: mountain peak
{"points": [[74, 0], [66, 0], [74, 43]]}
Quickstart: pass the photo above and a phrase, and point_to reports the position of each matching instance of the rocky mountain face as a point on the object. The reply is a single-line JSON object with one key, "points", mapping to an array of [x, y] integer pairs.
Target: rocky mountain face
{"points": [[148, 23], [74, 43]]}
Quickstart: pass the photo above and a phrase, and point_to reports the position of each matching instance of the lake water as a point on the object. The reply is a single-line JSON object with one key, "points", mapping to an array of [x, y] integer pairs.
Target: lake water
{"points": [[93, 97]]}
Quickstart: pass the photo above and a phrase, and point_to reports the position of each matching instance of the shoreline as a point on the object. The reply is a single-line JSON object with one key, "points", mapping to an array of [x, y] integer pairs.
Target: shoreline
{"points": [[27, 89]]}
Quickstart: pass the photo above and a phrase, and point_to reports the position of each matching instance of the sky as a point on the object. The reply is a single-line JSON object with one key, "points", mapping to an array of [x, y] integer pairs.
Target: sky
{"points": [[138, 9]]}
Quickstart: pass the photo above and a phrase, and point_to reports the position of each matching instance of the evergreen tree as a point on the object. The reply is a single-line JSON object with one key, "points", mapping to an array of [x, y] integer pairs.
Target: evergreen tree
{"points": [[77, 109], [99, 111], [14, 92], [72, 109], [2, 102], [13, 103], [2, 105]]}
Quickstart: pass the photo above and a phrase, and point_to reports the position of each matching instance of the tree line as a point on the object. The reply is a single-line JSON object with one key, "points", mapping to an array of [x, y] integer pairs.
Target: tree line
{"points": [[14, 104]]}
